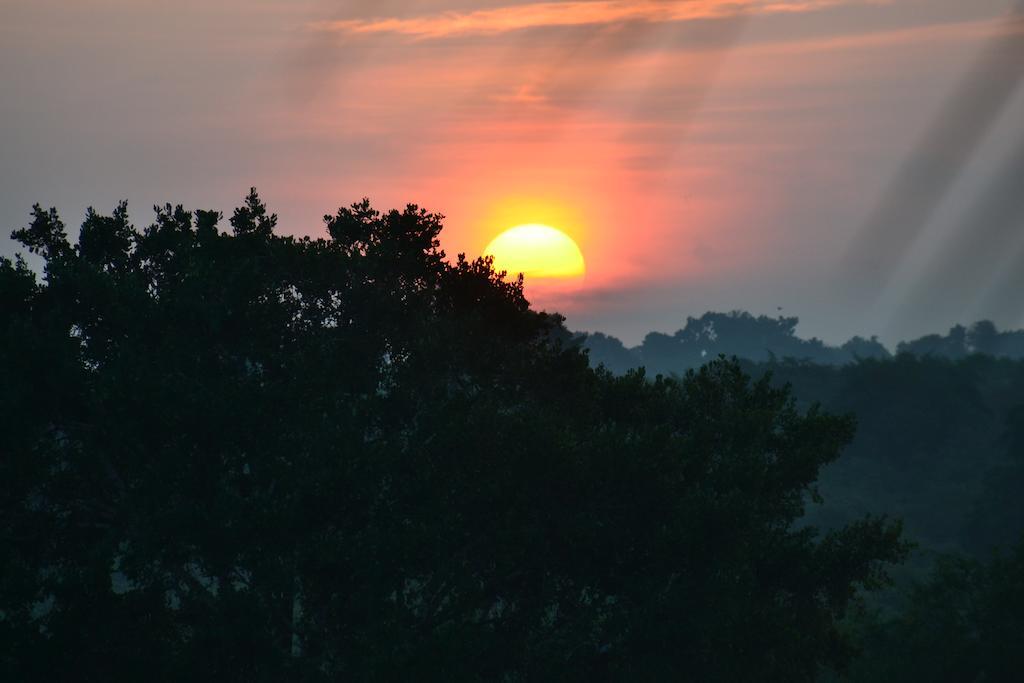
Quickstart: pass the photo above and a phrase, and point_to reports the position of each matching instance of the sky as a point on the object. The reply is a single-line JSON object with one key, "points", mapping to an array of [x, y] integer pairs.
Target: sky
{"points": [[856, 163]]}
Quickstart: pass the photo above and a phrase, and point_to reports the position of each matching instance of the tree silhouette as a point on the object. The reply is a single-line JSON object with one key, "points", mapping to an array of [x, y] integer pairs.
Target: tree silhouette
{"points": [[252, 457], [960, 624]]}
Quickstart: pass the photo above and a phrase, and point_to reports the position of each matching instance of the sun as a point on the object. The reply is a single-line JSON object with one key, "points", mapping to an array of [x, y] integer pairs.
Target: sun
{"points": [[537, 251]]}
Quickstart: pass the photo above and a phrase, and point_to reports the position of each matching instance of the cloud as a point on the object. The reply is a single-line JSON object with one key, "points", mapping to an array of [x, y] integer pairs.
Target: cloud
{"points": [[574, 13]]}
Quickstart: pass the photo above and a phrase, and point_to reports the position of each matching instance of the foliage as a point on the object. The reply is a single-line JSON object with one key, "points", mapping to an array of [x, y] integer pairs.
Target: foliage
{"points": [[962, 624], [252, 457], [938, 444]]}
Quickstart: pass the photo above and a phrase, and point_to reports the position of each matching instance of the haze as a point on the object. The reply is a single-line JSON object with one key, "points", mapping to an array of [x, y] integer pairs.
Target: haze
{"points": [[856, 163]]}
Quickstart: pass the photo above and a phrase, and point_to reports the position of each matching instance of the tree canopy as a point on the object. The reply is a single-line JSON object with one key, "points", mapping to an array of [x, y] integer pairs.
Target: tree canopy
{"points": [[244, 456], [961, 623]]}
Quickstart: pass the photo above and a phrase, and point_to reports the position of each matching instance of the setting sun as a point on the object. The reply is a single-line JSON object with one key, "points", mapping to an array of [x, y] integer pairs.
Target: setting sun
{"points": [[536, 251]]}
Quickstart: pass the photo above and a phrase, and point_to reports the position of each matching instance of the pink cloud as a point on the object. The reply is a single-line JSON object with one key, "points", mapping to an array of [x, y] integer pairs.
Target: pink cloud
{"points": [[573, 13]]}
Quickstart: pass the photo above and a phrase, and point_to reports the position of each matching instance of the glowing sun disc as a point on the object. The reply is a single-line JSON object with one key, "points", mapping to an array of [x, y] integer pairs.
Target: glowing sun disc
{"points": [[536, 251]]}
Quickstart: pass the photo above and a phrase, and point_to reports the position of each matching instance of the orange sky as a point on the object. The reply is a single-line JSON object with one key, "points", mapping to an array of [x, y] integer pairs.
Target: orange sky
{"points": [[704, 154]]}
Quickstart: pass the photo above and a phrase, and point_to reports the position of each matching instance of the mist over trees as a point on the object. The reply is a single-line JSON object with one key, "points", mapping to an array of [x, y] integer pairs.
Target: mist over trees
{"points": [[241, 456], [763, 339], [939, 444], [938, 440]]}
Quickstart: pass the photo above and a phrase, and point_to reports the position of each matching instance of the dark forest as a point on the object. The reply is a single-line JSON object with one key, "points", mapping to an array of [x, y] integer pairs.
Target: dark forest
{"points": [[233, 455]]}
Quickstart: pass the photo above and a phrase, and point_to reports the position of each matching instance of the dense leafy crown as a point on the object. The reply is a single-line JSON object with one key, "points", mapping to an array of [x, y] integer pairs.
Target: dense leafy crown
{"points": [[252, 457]]}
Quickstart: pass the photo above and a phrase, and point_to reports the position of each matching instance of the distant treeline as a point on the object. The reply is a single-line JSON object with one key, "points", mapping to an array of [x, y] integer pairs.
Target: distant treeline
{"points": [[764, 339]]}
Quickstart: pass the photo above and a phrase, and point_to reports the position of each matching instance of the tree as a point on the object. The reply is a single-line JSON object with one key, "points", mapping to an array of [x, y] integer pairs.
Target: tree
{"points": [[954, 345], [610, 352], [253, 457], [861, 348], [961, 624]]}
